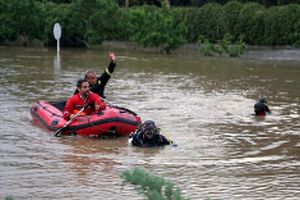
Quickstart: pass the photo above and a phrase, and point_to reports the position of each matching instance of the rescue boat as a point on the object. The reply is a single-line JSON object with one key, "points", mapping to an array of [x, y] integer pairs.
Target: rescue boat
{"points": [[113, 121]]}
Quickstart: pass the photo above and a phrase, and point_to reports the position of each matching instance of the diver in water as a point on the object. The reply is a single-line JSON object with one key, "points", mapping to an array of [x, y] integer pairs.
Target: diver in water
{"points": [[261, 108], [148, 135]]}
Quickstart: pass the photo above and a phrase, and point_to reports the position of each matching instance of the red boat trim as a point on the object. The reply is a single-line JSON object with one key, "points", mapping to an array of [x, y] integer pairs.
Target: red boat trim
{"points": [[94, 123], [45, 108], [51, 128], [103, 121]]}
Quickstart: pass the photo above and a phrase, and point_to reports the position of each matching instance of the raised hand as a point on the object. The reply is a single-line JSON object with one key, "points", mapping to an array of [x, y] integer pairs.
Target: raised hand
{"points": [[112, 57]]}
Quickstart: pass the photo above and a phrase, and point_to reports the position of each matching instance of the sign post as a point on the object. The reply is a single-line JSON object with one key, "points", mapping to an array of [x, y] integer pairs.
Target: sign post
{"points": [[57, 34]]}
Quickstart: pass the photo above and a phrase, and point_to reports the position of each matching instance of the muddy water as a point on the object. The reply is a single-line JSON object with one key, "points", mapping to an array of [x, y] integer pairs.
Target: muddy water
{"points": [[203, 104]]}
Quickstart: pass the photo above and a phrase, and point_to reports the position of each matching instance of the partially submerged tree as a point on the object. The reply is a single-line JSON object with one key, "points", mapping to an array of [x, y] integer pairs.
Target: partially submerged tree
{"points": [[153, 187]]}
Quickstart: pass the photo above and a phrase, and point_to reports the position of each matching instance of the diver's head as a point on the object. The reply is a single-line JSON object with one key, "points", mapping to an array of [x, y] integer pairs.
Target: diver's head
{"points": [[263, 100], [260, 108], [149, 129]]}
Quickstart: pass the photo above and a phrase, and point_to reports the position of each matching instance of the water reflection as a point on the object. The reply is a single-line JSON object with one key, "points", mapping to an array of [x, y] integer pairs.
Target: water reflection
{"points": [[57, 66], [88, 154]]}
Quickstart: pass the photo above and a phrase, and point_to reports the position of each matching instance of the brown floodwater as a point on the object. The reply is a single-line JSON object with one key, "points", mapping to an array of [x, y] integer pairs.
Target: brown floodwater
{"points": [[203, 104]]}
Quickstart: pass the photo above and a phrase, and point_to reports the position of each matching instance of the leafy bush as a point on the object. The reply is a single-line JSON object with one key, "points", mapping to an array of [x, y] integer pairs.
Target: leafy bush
{"points": [[191, 16], [232, 11], [53, 13], [212, 21], [155, 27], [281, 25], [250, 23], [83, 22], [153, 187], [121, 31], [86, 22], [206, 48], [8, 198], [295, 35], [225, 45], [20, 18], [103, 22]]}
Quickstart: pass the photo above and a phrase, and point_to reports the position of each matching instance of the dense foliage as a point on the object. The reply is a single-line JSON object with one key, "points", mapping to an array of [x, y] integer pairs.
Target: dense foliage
{"points": [[224, 46], [195, 2], [86, 22], [253, 22], [20, 18], [154, 27]]}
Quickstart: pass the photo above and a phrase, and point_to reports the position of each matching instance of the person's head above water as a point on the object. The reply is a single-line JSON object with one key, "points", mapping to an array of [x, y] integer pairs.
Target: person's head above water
{"points": [[262, 100], [261, 107], [149, 129], [148, 135]]}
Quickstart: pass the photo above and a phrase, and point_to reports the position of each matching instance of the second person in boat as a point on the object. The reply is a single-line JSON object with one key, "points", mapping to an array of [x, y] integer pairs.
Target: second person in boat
{"points": [[97, 84]]}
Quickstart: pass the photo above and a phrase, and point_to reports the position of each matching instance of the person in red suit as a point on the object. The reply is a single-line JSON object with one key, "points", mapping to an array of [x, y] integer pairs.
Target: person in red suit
{"points": [[83, 98]]}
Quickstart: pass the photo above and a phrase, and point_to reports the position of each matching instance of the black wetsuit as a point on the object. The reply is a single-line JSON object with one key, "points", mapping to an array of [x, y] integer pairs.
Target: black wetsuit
{"points": [[102, 80], [156, 141], [261, 108]]}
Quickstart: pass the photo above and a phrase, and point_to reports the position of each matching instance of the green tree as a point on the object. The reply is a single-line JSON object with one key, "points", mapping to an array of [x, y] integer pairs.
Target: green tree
{"points": [[191, 17], [250, 23], [295, 35], [7, 31], [92, 21], [232, 11], [156, 27], [20, 18], [281, 24], [104, 23], [78, 17], [212, 22], [53, 13]]}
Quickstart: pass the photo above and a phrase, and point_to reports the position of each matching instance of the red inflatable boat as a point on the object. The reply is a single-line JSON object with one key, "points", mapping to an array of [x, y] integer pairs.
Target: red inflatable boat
{"points": [[115, 121]]}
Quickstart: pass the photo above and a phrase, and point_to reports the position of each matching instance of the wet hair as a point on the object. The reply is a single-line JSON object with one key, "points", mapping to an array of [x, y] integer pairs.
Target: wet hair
{"points": [[87, 72], [79, 82]]}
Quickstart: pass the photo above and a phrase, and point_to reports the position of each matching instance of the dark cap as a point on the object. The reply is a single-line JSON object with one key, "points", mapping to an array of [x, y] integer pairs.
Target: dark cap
{"points": [[263, 100], [149, 125]]}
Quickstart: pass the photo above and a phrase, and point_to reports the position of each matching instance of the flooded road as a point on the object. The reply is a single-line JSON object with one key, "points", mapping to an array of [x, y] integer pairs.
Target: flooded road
{"points": [[203, 104]]}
